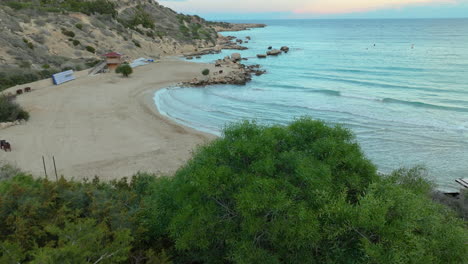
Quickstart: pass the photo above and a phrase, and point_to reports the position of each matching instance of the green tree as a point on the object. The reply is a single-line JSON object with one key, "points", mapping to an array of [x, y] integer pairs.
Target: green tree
{"points": [[304, 193], [125, 69], [206, 72], [85, 242]]}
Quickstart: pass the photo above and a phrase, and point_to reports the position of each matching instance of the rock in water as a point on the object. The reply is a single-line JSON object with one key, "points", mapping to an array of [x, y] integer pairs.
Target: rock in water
{"points": [[274, 52], [285, 49], [261, 56]]}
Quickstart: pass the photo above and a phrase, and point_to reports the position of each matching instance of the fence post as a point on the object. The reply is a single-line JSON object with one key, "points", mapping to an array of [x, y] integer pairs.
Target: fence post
{"points": [[55, 168], [43, 163]]}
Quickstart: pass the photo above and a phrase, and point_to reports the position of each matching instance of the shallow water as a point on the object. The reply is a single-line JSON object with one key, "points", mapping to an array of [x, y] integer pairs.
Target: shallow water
{"points": [[400, 85]]}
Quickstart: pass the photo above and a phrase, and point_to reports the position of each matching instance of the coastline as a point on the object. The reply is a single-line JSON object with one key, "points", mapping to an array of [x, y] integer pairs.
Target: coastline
{"points": [[104, 125], [109, 126]]}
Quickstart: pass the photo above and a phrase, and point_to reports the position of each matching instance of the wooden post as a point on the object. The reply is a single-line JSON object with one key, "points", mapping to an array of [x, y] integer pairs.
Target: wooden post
{"points": [[45, 171], [55, 168]]}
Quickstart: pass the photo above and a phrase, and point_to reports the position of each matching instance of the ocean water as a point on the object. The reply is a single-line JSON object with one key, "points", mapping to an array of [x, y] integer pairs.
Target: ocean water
{"points": [[400, 85]]}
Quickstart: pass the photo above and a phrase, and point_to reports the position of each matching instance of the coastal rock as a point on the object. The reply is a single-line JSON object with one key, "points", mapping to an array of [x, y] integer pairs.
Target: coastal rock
{"points": [[189, 58], [285, 49], [198, 57], [248, 38], [270, 47], [274, 52], [236, 57], [239, 74], [261, 56]]}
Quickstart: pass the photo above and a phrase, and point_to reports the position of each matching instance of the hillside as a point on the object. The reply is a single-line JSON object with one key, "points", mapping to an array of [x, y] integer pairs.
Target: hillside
{"points": [[40, 37]]}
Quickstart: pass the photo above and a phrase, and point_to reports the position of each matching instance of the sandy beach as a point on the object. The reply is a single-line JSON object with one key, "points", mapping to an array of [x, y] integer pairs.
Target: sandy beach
{"points": [[103, 125]]}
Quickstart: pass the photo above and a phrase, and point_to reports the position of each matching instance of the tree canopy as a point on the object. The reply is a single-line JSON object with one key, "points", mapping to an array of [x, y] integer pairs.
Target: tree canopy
{"points": [[125, 69], [302, 193]]}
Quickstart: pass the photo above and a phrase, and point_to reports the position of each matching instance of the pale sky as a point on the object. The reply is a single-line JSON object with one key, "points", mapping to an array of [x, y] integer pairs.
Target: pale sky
{"points": [[265, 9]]}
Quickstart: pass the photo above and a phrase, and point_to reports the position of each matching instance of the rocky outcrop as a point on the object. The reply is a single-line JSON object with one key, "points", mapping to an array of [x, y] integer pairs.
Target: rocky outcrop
{"points": [[274, 52], [236, 57], [285, 49], [220, 27], [261, 56], [230, 72]]}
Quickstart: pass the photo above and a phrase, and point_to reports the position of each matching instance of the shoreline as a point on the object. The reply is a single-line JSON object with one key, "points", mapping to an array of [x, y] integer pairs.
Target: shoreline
{"points": [[106, 125], [114, 133]]}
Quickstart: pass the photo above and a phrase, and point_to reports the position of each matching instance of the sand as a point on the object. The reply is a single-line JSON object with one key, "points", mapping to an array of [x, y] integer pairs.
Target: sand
{"points": [[103, 125]]}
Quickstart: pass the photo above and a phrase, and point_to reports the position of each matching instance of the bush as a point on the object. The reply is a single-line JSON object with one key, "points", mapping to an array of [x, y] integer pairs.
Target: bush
{"points": [[10, 111], [90, 49], [136, 43], [206, 72], [304, 193], [90, 222], [68, 33], [79, 26], [125, 69], [76, 42]]}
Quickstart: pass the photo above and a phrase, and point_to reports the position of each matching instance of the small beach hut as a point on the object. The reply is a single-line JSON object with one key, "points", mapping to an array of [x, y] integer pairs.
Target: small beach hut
{"points": [[113, 59]]}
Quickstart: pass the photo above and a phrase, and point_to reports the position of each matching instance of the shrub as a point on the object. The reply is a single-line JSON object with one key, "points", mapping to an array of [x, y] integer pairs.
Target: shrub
{"points": [[10, 111], [25, 64], [68, 33], [76, 42], [206, 72], [90, 49], [125, 69], [140, 17], [303, 193], [44, 221], [79, 26], [136, 43], [45, 66]]}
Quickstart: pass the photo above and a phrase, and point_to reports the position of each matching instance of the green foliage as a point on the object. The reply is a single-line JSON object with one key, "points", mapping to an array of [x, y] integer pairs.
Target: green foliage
{"points": [[11, 111], [206, 72], [68, 33], [304, 193], [184, 30], [46, 66], [125, 69], [87, 7], [79, 26], [76, 42], [142, 18], [90, 49], [90, 222], [17, 5], [136, 43]]}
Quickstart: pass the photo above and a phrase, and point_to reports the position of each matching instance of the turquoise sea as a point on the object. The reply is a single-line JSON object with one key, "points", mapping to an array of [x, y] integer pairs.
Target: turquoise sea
{"points": [[400, 85]]}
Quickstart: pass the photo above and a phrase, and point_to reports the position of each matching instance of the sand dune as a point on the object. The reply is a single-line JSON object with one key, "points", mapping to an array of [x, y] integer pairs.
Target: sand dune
{"points": [[103, 125]]}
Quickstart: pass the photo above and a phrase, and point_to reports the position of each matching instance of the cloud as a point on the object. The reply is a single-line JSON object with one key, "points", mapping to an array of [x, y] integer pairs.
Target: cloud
{"points": [[296, 6], [352, 6]]}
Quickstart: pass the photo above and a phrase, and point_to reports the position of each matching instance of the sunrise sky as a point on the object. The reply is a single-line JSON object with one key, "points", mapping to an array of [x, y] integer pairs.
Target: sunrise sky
{"points": [[272, 9]]}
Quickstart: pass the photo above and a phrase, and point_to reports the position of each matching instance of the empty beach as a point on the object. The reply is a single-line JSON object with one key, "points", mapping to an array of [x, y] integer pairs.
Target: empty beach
{"points": [[103, 125]]}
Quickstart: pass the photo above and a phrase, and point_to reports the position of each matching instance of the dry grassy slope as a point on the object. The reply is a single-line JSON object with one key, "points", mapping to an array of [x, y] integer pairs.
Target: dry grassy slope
{"points": [[29, 36]]}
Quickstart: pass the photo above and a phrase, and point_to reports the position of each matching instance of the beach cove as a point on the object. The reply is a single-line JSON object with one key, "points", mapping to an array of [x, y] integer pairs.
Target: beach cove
{"points": [[104, 125]]}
